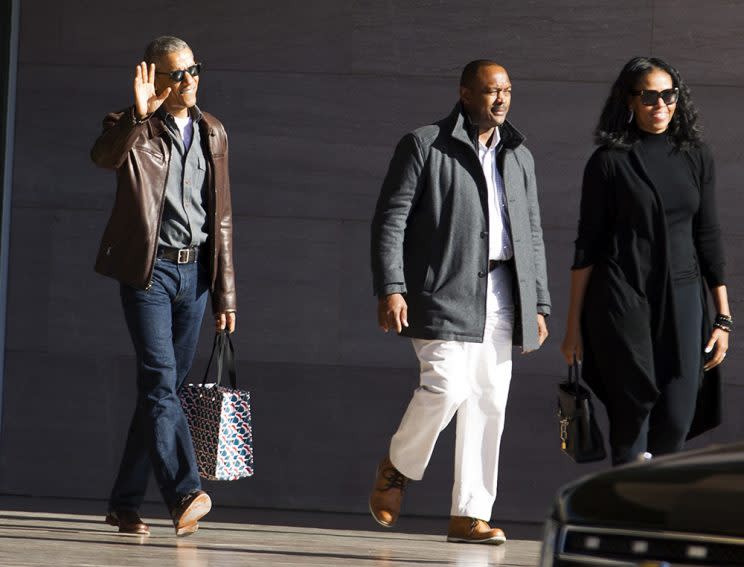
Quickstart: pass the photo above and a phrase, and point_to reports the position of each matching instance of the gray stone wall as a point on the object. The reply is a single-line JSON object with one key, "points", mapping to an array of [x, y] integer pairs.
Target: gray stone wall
{"points": [[315, 96]]}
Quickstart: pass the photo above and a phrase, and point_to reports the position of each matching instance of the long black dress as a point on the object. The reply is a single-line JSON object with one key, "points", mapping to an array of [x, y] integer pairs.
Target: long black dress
{"points": [[649, 228]]}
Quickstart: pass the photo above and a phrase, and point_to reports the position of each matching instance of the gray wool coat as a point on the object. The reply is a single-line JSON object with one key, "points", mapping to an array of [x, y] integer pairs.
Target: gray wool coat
{"points": [[430, 239]]}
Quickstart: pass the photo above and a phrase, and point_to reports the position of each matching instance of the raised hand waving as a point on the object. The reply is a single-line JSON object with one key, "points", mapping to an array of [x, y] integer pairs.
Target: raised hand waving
{"points": [[146, 100]]}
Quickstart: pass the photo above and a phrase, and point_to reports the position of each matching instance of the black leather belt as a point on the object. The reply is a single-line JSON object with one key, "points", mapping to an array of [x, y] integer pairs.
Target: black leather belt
{"points": [[493, 264], [179, 255]]}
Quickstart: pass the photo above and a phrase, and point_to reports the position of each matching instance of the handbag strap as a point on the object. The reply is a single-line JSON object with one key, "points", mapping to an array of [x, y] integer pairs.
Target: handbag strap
{"points": [[229, 351], [225, 350]]}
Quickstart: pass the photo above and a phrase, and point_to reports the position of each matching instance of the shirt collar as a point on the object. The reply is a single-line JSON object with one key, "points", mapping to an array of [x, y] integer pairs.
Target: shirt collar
{"points": [[194, 113], [495, 141]]}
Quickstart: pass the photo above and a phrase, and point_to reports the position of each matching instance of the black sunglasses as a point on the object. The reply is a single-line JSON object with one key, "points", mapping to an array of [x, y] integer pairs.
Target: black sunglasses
{"points": [[649, 98], [177, 76]]}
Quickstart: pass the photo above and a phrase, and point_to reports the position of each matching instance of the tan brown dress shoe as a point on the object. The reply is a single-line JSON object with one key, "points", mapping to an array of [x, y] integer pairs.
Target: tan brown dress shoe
{"points": [[128, 522], [189, 511], [387, 494], [472, 530]]}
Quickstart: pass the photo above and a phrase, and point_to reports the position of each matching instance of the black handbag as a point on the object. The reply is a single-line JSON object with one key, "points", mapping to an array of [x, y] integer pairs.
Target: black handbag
{"points": [[581, 438]]}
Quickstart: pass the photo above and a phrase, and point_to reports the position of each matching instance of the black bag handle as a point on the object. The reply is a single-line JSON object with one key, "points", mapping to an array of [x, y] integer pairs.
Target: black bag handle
{"points": [[580, 393], [225, 350], [574, 372]]}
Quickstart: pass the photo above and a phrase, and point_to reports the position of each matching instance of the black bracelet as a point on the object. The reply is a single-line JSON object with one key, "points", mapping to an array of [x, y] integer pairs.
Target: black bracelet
{"points": [[136, 121], [722, 327], [724, 322]]}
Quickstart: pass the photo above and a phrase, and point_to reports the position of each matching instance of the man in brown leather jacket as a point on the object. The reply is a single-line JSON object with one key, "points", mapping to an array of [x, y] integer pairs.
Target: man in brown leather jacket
{"points": [[169, 244]]}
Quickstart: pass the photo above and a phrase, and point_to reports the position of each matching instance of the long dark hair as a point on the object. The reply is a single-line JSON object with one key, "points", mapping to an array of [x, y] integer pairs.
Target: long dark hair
{"points": [[615, 129]]}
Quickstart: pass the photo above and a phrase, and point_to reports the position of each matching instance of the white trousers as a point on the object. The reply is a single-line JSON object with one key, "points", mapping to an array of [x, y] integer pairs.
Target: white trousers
{"points": [[472, 380]]}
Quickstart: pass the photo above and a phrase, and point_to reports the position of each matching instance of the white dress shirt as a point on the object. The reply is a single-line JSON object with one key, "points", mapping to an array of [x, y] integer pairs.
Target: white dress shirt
{"points": [[499, 239]]}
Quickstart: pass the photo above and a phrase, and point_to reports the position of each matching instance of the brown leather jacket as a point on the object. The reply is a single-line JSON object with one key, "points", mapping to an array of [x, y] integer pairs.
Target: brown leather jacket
{"points": [[140, 153]]}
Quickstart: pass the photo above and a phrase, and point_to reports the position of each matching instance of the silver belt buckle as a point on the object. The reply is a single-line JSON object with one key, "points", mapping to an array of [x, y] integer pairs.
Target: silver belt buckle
{"points": [[183, 255]]}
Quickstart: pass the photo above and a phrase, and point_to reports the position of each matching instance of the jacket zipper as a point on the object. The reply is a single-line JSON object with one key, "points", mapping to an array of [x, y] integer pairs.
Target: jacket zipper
{"points": [[213, 259], [162, 206], [160, 220]]}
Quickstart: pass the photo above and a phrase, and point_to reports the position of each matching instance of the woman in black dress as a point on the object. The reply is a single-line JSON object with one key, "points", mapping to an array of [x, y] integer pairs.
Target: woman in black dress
{"points": [[648, 244]]}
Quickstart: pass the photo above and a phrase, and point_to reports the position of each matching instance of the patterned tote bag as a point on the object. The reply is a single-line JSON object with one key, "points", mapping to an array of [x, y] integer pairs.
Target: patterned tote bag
{"points": [[220, 418]]}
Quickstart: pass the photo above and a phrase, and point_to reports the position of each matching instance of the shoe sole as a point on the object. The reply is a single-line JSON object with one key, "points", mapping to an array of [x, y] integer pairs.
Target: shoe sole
{"points": [[111, 522], [497, 540], [376, 519], [187, 523], [187, 530]]}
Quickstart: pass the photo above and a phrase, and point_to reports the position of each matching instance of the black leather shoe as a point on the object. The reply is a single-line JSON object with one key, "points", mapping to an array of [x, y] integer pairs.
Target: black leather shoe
{"points": [[189, 511], [128, 522]]}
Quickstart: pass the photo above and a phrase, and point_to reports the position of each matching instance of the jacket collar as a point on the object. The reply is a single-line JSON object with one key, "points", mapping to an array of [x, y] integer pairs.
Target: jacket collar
{"points": [[465, 131], [203, 120], [194, 112]]}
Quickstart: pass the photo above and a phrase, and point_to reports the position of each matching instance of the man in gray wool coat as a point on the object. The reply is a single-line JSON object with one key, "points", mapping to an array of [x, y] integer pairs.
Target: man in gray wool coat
{"points": [[458, 264]]}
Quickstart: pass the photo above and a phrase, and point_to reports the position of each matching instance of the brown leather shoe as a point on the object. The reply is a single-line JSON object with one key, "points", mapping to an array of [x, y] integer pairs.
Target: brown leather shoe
{"points": [[128, 522], [189, 511], [472, 530], [387, 494]]}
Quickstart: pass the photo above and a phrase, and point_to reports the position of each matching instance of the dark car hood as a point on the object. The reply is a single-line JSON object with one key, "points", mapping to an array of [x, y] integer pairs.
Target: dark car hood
{"points": [[700, 491]]}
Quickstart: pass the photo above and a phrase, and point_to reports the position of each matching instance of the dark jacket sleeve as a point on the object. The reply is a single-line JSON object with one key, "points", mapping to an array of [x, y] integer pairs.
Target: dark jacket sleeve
{"points": [[398, 193], [119, 134], [594, 218], [708, 242]]}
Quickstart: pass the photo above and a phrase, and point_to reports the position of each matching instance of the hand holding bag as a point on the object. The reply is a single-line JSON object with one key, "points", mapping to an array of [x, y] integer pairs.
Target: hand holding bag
{"points": [[219, 419], [581, 438]]}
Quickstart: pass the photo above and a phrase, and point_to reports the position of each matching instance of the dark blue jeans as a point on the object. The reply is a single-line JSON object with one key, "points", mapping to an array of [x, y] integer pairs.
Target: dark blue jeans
{"points": [[164, 324]]}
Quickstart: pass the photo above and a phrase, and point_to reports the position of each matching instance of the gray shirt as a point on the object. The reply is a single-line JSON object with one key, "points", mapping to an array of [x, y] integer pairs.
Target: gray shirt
{"points": [[184, 222]]}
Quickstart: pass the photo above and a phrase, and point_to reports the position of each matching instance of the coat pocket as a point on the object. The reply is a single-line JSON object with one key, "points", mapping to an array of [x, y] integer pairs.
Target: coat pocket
{"points": [[149, 153], [609, 291]]}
